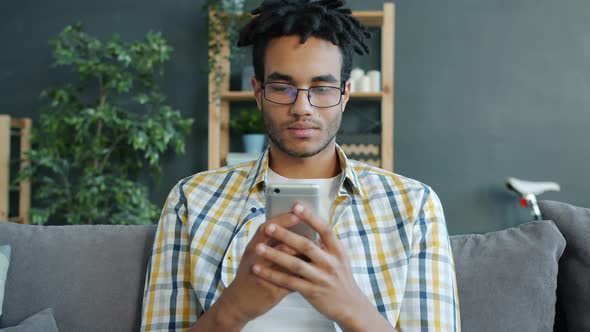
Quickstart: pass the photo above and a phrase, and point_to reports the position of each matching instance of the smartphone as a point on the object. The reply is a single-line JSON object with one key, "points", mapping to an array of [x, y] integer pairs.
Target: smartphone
{"points": [[280, 199]]}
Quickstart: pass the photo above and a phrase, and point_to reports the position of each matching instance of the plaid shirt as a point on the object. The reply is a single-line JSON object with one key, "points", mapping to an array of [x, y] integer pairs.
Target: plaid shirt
{"points": [[392, 227]]}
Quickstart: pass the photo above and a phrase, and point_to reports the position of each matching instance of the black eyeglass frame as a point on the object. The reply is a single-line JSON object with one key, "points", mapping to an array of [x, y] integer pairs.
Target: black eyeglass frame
{"points": [[342, 93]]}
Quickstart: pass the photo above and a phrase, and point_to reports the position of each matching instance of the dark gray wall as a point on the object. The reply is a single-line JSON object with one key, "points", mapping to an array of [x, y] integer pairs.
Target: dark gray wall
{"points": [[484, 90], [490, 89], [25, 58]]}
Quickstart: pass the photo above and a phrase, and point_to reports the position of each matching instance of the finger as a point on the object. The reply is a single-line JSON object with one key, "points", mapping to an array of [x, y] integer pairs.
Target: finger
{"points": [[285, 220], [323, 228], [290, 263], [266, 283], [281, 279], [286, 249], [299, 243]]}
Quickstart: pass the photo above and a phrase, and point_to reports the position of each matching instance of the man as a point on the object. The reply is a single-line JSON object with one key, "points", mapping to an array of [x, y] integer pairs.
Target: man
{"points": [[383, 260]]}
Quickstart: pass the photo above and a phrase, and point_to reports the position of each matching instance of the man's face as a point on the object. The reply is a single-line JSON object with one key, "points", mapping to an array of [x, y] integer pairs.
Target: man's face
{"points": [[301, 130]]}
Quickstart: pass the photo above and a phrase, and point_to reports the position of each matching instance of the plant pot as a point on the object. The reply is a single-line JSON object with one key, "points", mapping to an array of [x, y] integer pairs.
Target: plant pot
{"points": [[254, 143]]}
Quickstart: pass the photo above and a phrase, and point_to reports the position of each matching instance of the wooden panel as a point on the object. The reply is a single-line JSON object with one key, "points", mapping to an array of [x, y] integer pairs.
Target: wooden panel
{"points": [[370, 18], [214, 144], [215, 134], [24, 196], [387, 103], [23, 127], [224, 132], [18, 123], [4, 166]]}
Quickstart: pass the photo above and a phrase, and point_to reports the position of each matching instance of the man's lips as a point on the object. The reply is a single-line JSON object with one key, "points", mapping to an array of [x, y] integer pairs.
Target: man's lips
{"points": [[302, 130]]}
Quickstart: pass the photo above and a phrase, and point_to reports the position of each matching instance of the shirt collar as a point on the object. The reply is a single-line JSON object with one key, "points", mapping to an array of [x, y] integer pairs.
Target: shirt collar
{"points": [[258, 174]]}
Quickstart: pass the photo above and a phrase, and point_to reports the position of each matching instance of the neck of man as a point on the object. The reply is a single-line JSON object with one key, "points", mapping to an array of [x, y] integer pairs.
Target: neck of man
{"points": [[323, 165]]}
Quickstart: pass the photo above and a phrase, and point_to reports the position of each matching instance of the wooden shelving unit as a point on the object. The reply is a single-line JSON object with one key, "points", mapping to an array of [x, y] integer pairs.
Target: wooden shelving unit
{"points": [[21, 128], [219, 106]]}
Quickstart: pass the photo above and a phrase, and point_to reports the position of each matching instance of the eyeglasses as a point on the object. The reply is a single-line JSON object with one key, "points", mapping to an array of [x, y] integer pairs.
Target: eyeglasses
{"points": [[318, 96]]}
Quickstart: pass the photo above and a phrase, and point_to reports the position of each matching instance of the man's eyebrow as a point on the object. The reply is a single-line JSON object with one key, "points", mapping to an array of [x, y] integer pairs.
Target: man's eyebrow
{"points": [[275, 76], [324, 78], [279, 77]]}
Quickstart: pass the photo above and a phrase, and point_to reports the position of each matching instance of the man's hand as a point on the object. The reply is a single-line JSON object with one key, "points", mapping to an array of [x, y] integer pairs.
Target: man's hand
{"points": [[326, 281], [248, 296]]}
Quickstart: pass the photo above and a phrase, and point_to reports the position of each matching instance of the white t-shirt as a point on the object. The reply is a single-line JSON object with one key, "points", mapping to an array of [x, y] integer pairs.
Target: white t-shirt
{"points": [[294, 313]]}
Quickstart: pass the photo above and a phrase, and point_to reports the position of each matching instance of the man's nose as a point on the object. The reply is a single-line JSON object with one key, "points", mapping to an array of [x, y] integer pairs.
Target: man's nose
{"points": [[301, 106]]}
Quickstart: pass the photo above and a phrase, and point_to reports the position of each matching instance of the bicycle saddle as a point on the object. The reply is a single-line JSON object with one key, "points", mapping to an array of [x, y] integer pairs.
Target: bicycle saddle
{"points": [[531, 187]]}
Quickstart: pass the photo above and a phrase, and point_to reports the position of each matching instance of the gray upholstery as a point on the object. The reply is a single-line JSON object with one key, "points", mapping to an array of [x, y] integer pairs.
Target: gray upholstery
{"points": [[40, 322], [92, 276], [507, 279], [573, 295], [4, 264]]}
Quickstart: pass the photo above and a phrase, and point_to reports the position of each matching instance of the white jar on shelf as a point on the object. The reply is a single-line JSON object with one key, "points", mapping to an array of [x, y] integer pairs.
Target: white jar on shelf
{"points": [[364, 84], [375, 80], [355, 75]]}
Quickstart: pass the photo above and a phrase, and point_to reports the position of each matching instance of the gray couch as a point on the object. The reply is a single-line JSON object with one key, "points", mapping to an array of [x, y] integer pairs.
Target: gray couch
{"points": [[93, 276]]}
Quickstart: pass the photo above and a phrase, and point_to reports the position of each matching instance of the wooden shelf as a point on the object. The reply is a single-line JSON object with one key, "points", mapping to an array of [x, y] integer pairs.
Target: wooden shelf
{"points": [[249, 95], [12, 128], [370, 18]]}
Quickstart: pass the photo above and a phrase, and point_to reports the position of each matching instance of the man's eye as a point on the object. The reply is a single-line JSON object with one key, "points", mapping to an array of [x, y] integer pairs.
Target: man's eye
{"points": [[279, 89], [322, 90]]}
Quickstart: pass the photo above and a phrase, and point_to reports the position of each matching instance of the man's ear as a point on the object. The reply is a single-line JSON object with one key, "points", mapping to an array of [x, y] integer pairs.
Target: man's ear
{"points": [[257, 86], [346, 94]]}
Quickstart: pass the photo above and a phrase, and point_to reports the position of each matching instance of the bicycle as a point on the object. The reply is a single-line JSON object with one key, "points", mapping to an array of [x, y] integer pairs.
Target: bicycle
{"points": [[528, 192]]}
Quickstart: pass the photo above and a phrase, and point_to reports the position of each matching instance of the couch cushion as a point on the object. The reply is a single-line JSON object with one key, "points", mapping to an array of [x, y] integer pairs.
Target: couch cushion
{"points": [[573, 282], [40, 322], [4, 262], [92, 276], [507, 279]]}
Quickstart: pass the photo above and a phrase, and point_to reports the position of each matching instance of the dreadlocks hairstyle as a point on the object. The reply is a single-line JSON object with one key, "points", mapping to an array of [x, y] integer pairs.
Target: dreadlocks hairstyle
{"points": [[324, 19]]}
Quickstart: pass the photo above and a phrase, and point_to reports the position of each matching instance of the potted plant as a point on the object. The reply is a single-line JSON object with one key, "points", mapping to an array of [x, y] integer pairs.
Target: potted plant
{"points": [[250, 125], [99, 133]]}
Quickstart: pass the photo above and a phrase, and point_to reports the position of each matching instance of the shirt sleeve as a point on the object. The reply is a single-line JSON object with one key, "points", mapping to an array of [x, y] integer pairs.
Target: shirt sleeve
{"points": [[169, 300], [430, 300]]}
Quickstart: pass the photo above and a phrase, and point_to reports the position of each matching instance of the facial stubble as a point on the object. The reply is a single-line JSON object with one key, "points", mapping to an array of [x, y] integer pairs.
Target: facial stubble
{"points": [[274, 134]]}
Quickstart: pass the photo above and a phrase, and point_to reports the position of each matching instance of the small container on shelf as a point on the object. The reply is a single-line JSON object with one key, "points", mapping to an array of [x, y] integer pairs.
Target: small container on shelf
{"points": [[375, 80]]}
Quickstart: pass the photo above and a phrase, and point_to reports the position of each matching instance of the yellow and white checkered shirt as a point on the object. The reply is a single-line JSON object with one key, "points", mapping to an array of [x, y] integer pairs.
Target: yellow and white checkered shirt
{"points": [[392, 227]]}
